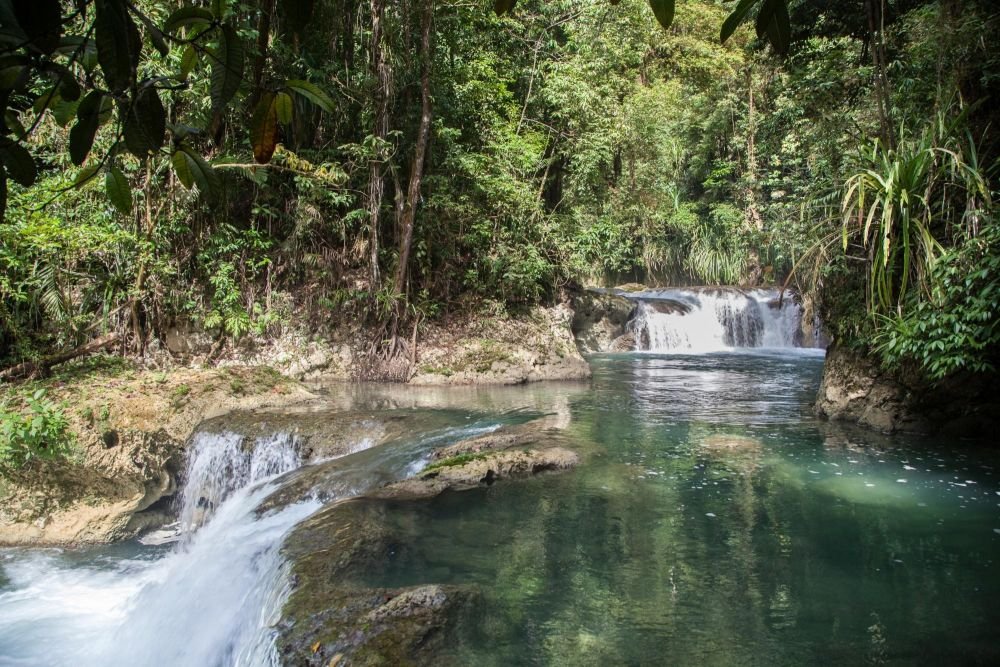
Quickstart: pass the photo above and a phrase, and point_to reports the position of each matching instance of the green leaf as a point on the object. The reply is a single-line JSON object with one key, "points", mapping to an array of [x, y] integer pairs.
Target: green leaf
{"points": [[773, 24], [20, 165], [41, 21], [189, 60], [738, 16], [118, 44], [312, 93], [501, 7], [81, 137], [86, 174], [64, 112], [14, 123], [192, 170], [664, 11], [284, 107], [264, 129], [118, 191], [182, 167], [145, 123], [186, 16], [227, 68]]}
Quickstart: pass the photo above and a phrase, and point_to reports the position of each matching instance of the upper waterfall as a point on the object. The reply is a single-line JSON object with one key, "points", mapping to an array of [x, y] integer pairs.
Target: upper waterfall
{"points": [[712, 319]]}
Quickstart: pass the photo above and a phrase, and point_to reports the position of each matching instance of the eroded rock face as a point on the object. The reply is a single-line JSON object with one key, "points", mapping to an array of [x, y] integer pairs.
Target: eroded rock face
{"points": [[855, 389], [599, 322]]}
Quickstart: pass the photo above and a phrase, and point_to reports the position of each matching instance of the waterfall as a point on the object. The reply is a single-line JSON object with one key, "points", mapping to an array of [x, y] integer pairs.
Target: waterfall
{"points": [[221, 463], [211, 592], [211, 600], [715, 319]]}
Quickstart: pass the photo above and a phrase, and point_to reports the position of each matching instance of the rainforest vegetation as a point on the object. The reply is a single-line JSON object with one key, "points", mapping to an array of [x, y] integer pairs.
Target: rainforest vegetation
{"points": [[248, 166]]}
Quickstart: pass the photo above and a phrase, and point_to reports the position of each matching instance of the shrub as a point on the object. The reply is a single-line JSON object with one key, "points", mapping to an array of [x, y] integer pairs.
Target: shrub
{"points": [[41, 432]]}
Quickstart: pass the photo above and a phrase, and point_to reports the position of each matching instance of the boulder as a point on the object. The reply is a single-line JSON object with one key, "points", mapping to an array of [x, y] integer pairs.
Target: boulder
{"points": [[599, 320]]}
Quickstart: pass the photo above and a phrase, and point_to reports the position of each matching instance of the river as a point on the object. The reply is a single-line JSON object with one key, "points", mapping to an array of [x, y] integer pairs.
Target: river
{"points": [[719, 523]]}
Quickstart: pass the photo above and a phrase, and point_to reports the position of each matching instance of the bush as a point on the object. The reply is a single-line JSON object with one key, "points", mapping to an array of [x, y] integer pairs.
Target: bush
{"points": [[41, 433], [958, 327]]}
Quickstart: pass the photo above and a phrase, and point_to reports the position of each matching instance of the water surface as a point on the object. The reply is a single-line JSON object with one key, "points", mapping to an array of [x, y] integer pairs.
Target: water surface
{"points": [[718, 523]]}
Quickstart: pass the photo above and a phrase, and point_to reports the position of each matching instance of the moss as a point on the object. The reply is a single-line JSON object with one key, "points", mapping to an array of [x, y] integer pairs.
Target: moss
{"points": [[446, 371], [454, 461], [483, 355]]}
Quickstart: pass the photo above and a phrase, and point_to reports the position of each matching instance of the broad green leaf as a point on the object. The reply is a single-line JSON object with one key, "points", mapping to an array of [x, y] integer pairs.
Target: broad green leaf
{"points": [[264, 129], [86, 174], [227, 68], [189, 60], [284, 107], [773, 24], [186, 16], [64, 112], [118, 43], [182, 167], [145, 123], [18, 161], [312, 93], [118, 191], [14, 124], [81, 137], [738, 16], [664, 11], [41, 21], [192, 170]]}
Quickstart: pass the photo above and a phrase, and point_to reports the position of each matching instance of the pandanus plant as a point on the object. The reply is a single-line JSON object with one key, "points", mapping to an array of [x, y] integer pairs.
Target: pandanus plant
{"points": [[909, 202]]}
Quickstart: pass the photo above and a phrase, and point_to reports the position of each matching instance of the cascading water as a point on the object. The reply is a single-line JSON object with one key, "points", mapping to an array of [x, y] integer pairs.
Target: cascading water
{"points": [[223, 463], [211, 600], [715, 319], [213, 596]]}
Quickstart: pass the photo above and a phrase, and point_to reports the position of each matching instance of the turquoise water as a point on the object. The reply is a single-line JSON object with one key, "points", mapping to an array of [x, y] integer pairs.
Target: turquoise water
{"points": [[714, 521], [720, 524]]}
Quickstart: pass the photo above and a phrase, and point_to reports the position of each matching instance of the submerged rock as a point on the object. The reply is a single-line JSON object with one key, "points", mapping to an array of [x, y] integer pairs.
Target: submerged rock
{"points": [[724, 442], [472, 470], [335, 616]]}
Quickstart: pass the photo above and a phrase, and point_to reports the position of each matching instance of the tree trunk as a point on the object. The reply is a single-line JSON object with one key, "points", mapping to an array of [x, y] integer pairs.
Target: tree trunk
{"points": [[381, 94], [263, 41], [33, 368], [420, 154], [876, 34]]}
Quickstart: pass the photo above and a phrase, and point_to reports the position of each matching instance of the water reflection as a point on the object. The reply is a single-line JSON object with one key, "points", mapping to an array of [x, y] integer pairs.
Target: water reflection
{"points": [[724, 525]]}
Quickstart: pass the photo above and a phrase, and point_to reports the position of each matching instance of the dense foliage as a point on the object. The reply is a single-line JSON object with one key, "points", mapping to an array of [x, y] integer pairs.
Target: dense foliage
{"points": [[395, 161]]}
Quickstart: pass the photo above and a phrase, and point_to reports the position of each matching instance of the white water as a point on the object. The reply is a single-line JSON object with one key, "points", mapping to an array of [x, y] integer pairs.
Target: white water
{"points": [[211, 600], [715, 319]]}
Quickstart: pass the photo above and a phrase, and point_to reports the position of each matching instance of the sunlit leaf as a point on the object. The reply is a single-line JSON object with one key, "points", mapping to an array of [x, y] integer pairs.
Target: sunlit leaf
{"points": [[118, 191], [264, 129], [312, 93]]}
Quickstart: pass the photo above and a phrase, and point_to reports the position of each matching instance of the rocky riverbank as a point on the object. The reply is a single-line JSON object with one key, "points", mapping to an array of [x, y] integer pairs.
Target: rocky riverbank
{"points": [[856, 389], [129, 429]]}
